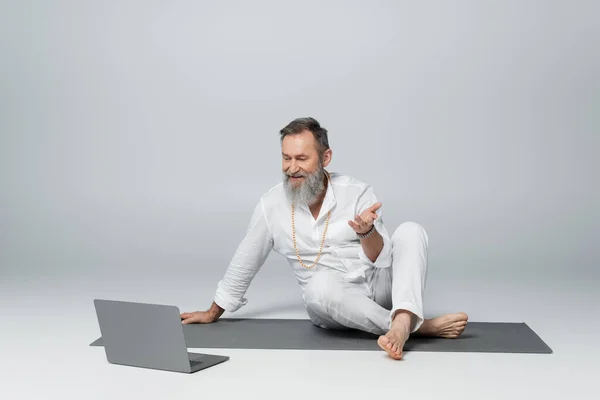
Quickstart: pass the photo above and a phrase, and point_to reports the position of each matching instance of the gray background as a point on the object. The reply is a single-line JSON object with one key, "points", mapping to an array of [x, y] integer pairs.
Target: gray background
{"points": [[136, 136]]}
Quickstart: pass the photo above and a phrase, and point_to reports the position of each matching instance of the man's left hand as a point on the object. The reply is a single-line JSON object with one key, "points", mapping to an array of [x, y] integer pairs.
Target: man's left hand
{"points": [[362, 223]]}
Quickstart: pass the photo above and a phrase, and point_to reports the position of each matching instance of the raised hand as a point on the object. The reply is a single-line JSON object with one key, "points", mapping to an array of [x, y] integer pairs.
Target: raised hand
{"points": [[362, 223]]}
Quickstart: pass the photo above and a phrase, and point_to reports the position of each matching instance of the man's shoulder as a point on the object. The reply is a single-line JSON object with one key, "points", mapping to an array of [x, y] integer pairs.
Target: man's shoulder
{"points": [[273, 195], [341, 179]]}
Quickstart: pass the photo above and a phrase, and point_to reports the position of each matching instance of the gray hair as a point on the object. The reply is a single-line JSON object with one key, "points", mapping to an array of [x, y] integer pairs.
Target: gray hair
{"points": [[300, 125]]}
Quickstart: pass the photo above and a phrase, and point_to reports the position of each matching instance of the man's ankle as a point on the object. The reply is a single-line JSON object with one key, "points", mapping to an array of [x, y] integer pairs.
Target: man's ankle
{"points": [[404, 319]]}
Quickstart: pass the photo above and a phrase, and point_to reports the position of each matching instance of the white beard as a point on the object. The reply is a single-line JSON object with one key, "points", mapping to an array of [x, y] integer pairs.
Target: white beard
{"points": [[307, 191]]}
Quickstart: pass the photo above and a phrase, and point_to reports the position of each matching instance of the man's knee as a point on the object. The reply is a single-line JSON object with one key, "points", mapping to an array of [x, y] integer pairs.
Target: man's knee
{"points": [[410, 230]]}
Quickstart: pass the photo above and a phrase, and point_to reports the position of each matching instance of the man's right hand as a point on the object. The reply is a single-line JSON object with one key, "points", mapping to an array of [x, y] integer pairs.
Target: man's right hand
{"points": [[203, 317], [198, 317]]}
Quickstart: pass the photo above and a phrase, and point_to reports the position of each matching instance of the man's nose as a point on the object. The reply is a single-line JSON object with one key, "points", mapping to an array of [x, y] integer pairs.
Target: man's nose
{"points": [[293, 167]]}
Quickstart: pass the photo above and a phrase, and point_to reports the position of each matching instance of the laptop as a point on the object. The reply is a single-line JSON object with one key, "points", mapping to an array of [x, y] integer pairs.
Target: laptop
{"points": [[148, 336]]}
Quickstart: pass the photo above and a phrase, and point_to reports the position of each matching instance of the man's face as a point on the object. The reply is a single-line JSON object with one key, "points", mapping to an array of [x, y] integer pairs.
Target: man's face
{"points": [[299, 156], [302, 170]]}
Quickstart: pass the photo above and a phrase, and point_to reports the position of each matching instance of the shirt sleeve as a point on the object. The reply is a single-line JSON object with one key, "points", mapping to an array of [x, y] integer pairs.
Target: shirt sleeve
{"points": [[384, 259], [249, 257]]}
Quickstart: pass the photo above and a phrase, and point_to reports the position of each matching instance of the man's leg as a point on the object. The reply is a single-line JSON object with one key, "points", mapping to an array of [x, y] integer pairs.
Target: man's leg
{"points": [[403, 287], [334, 303], [409, 272]]}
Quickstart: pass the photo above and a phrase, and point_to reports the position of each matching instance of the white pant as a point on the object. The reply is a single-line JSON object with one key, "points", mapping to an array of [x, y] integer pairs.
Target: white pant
{"points": [[334, 303]]}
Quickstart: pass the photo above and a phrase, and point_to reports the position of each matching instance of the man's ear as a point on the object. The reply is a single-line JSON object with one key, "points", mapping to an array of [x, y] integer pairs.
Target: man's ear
{"points": [[327, 157]]}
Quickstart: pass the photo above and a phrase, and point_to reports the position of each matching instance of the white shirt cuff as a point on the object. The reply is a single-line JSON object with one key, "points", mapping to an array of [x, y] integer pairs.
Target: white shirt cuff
{"points": [[228, 302]]}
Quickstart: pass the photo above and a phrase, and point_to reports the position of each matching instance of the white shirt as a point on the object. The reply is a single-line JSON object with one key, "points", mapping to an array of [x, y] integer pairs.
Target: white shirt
{"points": [[270, 229]]}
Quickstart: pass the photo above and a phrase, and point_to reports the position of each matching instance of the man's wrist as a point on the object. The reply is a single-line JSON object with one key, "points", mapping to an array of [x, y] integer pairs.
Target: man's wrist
{"points": [[367, 233], [216, 311]]}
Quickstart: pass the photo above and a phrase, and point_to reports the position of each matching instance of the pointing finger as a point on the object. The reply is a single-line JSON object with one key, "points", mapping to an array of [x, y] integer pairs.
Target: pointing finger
{"points": [[375, 206]]}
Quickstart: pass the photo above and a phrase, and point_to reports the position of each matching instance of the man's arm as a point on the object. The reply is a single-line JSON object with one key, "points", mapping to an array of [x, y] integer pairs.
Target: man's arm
{"points": [[376, 248], [249, 257], [372, 245]]}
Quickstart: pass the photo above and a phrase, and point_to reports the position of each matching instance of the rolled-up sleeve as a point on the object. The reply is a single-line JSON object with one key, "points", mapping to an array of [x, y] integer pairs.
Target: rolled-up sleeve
{"points": [[384, 259], [249, 257]]}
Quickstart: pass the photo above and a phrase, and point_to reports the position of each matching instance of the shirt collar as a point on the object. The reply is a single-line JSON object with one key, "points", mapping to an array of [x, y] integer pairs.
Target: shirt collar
{"points": [[329, 200]]}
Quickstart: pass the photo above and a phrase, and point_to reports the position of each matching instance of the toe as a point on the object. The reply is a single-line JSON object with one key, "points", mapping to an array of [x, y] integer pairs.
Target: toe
{"points": [[383, 341], [392, 350], [458, 332]]}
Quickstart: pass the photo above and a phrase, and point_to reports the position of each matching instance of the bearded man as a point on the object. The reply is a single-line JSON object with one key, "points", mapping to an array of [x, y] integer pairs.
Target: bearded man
{"points": [[329, 227]]}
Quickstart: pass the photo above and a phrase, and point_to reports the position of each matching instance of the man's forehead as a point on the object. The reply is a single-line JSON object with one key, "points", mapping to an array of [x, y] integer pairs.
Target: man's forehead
{"points": [[297, 146], [298, 151]]}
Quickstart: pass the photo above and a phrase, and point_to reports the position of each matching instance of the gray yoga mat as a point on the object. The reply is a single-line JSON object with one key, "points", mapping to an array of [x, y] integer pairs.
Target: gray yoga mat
{"points": [[300, 334]]}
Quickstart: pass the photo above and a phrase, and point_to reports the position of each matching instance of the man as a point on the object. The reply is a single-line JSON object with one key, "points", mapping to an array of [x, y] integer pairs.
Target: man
{"points": [[330, 229]]}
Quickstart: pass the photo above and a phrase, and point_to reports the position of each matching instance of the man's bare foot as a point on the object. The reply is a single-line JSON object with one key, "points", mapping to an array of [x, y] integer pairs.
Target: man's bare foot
{"points": [[394, 340], [446, 326]]}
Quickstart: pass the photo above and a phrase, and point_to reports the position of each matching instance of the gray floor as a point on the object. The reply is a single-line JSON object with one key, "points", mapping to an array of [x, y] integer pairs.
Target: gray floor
{"points": [[47, 326]]}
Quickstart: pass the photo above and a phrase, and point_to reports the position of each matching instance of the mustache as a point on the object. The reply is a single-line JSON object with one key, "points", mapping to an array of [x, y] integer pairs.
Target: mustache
{"points": [[299, 174]]}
